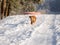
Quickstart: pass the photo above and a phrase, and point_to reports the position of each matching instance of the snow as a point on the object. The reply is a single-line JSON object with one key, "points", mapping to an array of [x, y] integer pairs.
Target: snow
{"points": [[17, 30]]}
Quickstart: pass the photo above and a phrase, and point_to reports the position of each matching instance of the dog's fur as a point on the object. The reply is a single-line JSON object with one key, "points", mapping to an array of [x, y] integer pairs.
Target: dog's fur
{"points": [[33, 19]]}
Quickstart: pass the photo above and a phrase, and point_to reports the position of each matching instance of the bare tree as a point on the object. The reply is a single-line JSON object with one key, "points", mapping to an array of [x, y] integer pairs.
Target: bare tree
{"points": [[5, 8]]}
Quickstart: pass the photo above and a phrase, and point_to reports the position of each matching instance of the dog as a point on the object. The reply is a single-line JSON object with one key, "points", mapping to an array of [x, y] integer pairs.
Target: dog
{"points": [[33, 17]]}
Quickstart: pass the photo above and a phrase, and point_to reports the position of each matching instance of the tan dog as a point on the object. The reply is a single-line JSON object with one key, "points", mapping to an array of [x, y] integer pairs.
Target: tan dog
{"points": [[33, 17]]}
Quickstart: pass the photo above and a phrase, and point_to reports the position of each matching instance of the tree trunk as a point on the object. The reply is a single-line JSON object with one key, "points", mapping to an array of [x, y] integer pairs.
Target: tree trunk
{"points": [[3, 7], [7, 11]]}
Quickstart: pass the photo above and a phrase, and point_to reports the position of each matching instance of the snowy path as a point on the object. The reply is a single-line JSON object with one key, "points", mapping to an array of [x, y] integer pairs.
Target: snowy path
{"points": [[17, 30]]}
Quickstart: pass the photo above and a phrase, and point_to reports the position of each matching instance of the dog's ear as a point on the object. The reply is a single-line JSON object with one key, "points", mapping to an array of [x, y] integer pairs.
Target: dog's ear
{"points": [[33, 19], [29, 16]]}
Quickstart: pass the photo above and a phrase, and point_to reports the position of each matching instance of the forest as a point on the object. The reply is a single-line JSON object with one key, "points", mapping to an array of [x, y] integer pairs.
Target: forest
{"points": [[14, 7]]}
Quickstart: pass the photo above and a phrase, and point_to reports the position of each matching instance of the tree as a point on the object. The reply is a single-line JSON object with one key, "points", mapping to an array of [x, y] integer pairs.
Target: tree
{"points": [[3, 6], [18, 6]]}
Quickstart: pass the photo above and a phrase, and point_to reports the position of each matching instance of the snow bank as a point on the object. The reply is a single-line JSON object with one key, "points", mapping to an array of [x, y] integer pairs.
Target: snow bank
{"points": [[17, 30]]}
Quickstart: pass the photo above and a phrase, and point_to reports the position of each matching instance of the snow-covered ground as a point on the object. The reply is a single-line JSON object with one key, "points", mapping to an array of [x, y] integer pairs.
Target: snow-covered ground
{"points": [[17, 30]]}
